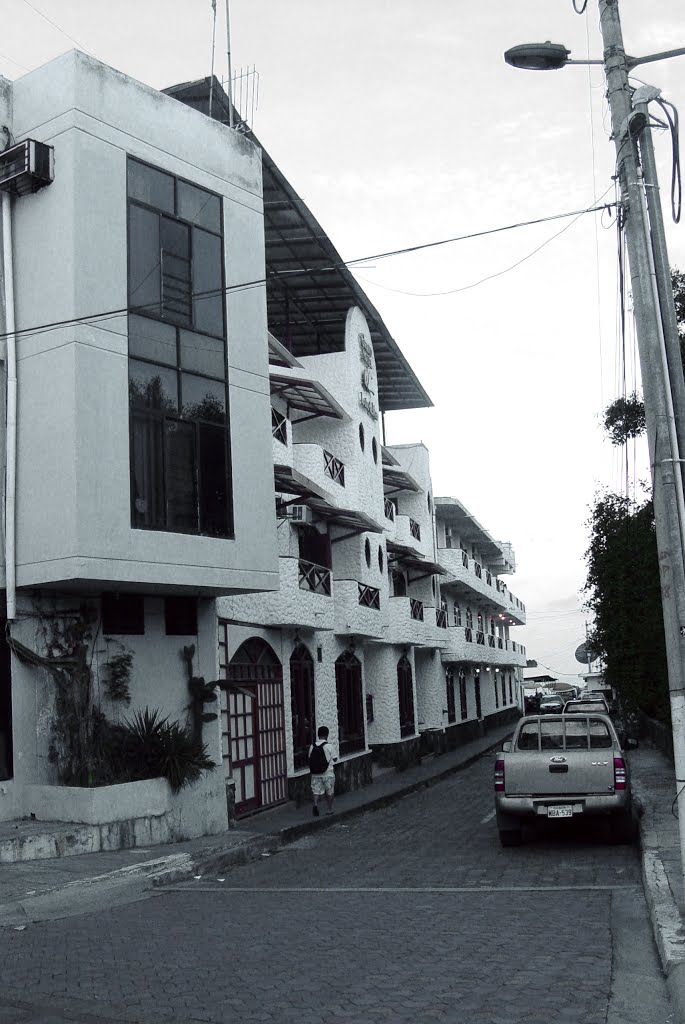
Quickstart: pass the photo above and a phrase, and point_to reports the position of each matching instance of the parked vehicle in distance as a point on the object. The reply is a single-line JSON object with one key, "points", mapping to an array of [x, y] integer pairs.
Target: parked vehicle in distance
{"points": [[563, 766], [551, 704], [586, 706]]}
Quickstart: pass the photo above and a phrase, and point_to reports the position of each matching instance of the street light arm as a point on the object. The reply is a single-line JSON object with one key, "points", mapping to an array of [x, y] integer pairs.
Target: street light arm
{"points": [[632, 62]]}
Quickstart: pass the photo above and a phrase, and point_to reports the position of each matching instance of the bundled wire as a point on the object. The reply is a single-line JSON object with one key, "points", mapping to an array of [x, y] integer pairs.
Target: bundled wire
{"points": [[676, 183], [577, 9]]}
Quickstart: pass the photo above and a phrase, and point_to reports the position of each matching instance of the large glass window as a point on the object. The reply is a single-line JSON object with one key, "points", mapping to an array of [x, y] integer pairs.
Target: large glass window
{"points": [[180, 445]]}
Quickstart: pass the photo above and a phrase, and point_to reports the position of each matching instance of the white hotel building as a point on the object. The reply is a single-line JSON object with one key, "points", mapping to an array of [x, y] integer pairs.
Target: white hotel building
{"points": [[201, 464]]}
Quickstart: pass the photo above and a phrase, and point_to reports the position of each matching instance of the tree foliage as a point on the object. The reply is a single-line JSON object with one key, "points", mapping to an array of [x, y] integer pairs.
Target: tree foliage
{"points": [[623, 592]]}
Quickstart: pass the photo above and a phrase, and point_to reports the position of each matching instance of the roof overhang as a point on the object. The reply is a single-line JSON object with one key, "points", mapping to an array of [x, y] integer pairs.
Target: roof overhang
{"points": [[279, 355], [288, 481], [309, 290], [452, 512], [303, 393]]}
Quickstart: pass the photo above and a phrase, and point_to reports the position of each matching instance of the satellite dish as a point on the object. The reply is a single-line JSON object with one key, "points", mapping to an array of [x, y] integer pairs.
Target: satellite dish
{"points": [[585, 654]]}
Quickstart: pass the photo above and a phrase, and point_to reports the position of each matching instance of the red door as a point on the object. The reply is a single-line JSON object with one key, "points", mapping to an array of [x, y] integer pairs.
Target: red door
{"points": [[253, 724]]}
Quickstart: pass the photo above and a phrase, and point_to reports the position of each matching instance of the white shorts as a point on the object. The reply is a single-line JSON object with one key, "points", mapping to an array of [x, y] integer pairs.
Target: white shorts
{"points": [[323, 784]]}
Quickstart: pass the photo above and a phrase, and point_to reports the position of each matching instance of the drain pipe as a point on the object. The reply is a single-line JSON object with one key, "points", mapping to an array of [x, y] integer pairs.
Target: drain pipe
{"points": [[11, 411]]}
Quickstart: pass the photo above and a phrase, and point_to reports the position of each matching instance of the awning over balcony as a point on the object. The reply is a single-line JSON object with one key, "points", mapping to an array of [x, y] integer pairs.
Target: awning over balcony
{"points": [[302, 393], [397, 479], [410, 558], [288, 481], [279, 355], [357, 521]]}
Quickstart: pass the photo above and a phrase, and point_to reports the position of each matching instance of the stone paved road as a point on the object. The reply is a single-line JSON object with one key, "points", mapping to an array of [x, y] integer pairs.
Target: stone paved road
{"points": [[407, 915]]}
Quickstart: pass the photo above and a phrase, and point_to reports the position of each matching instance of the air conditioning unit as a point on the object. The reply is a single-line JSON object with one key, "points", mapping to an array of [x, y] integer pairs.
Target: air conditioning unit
{"points": [[301, 515], [26, 168]]}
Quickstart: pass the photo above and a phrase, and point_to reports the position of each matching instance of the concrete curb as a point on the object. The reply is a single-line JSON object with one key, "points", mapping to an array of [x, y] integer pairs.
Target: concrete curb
{"points": [[667, 925]]}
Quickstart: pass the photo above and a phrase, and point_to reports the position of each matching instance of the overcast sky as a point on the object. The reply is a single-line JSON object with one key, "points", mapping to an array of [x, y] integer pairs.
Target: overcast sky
{"points": [[399, 123]]}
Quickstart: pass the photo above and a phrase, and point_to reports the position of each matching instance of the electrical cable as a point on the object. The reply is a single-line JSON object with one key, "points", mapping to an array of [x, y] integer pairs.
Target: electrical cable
{"points": [[15, 62], [482, 280], [59, 29], [579, 10], [676, 183], [96, 318]]}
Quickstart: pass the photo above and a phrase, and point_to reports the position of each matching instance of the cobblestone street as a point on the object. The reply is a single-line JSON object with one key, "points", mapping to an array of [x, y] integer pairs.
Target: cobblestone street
{"points": [[409, 914]]}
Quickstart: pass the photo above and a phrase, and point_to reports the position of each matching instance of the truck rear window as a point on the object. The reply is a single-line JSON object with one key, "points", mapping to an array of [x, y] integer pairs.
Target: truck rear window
{"points": [[565, 734]]}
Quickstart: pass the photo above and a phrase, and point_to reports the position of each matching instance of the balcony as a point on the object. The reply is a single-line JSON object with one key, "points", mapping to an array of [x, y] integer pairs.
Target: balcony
{"points": [[303, 600], [314, 578], [441, 618], [390, 510], [408, 533], [416, 609], [474, 577], [316, 464], [357, 609], [463, 643], [334, 468], [406, 621]]}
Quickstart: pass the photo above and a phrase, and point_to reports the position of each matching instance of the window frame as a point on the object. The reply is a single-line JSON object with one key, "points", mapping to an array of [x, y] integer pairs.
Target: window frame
{"points": [[203, 430]]}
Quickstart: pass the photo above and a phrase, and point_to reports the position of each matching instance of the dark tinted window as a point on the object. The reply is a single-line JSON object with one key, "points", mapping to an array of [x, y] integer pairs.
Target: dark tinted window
{"points": [[180, 616], [151, 186], [123, 614]]}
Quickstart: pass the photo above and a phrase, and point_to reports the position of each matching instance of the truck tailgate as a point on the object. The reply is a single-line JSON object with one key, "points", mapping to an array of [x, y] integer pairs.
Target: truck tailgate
{"points": [[546, 773]]}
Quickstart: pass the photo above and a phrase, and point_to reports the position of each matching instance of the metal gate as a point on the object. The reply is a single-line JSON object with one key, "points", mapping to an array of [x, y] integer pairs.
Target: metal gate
{"points": [[253, 724]]}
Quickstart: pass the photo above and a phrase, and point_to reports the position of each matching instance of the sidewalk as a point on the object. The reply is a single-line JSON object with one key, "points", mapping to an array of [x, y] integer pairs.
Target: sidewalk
{"points": [[38, 889], [654, 789]]}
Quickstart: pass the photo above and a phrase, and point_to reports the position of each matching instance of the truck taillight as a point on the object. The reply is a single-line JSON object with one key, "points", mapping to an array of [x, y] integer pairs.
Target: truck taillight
{"points": [[499, 775], [619, 773]]}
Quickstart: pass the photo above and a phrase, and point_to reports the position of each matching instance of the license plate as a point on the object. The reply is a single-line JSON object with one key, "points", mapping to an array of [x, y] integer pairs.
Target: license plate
{"points": [[565, 811]]}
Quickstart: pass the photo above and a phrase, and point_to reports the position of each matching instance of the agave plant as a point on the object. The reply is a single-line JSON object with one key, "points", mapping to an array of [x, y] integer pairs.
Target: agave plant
{"points": [[157, 748]]}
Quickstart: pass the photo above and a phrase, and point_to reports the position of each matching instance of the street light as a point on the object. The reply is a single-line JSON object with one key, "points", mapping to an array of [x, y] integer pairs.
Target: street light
{"points": [[551, 56], [657, 335]]}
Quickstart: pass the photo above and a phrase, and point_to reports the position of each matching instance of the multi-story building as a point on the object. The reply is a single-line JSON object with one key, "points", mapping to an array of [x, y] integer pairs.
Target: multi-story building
{"points": [[140, 431], [360, 635]]}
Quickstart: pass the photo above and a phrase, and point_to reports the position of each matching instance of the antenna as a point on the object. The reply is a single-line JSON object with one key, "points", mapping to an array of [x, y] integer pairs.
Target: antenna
{"points": [[230, 72], [211, 77]]}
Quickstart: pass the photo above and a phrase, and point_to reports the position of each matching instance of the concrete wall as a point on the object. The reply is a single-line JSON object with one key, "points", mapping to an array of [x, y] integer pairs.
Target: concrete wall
{"points": [[73, 512]]}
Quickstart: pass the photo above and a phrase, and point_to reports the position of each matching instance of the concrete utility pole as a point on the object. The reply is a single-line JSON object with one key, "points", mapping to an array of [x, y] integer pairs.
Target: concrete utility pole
{"points": [[647, 251]]}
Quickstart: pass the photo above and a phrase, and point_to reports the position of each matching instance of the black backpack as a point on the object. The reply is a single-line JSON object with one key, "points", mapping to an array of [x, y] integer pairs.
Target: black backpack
{"points": [[318, 762]]}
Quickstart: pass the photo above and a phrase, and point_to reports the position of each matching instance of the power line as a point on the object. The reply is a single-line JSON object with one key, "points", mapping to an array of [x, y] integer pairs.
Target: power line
{"points": [[58, 27], [94, 318]]}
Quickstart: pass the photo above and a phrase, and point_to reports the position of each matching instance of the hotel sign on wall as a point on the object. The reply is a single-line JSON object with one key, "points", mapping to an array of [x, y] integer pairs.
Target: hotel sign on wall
{"points": [[367, 394]]}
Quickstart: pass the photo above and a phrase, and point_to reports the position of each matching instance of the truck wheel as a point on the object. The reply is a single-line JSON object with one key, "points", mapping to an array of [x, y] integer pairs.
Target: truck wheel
{"points": [[511, 836]]}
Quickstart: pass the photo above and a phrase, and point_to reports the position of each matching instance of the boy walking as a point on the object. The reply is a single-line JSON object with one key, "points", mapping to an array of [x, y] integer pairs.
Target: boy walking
{"points": [[321, 762]]}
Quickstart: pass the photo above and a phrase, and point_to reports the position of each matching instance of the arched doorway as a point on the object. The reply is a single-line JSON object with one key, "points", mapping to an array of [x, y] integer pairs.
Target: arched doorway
{"points": [[405, 697], [302, 704], [253, 724], [348, 685]]}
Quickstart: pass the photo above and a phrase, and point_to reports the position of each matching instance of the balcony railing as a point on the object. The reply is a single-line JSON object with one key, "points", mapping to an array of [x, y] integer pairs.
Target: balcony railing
{"points": [[488, 577], [464, 559], [414, 529], [369, 597], [441, 617], [500, 643], [416, 609], [491, 640], [480, 637], [278, 426], [334, 468], [478, 569], [389, 509], [468, 634], [314, 578]]}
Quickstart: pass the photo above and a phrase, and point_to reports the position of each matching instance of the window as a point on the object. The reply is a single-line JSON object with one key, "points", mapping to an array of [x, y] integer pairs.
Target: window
{"points": [[462, 695], [511, 692], [399, 583], [374, 449], [457, 614], [494, 679], [451, 704], [369, 707], [348, 686], [504, 690], [361, 436], [302, 705], [180, 616], [380, 557], [123, 614], [405, 697], [178, 399], [367, 552]]}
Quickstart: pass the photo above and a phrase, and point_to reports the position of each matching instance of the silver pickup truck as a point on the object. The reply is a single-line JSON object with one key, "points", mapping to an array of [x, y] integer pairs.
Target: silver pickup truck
{"points": [[562, 766]]}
